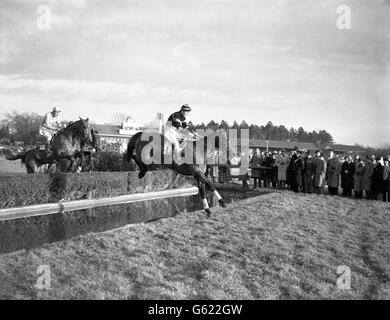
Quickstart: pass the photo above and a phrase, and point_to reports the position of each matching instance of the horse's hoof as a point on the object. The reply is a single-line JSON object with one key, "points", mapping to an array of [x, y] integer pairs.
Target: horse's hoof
{"points": [[208, 212], [222, 203], [141, 174]]}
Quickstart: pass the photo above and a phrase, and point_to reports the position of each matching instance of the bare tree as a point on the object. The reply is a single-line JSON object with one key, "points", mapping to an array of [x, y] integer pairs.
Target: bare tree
{"points": [[24, 126], [154, 124], [119, 118]]}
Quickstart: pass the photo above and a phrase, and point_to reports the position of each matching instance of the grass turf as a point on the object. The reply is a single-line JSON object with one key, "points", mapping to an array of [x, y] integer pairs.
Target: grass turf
{"points": [[7, 166], [276, 246]]}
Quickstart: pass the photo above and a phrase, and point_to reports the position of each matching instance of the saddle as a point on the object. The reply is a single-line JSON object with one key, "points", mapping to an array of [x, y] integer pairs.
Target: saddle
{"points": [[169, 147], [42, 147]]}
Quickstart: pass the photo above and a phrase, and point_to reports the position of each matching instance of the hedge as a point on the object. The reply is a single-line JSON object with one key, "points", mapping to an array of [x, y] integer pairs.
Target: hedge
{"points": [[22, 189], [111, 161], [35, 231]]}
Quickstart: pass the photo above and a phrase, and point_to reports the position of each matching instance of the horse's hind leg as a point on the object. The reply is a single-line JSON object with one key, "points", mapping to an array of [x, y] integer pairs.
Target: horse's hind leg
{"points": [[141, 166], [202, 191], [200, 176]]}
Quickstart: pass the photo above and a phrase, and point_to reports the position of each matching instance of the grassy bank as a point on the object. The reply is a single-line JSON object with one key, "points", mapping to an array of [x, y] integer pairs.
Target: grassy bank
{"points": [[275, 246]]}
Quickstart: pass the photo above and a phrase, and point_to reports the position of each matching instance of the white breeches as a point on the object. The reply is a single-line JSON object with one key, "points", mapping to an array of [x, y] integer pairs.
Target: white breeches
{"points": [[48, 134], [173, 136]]}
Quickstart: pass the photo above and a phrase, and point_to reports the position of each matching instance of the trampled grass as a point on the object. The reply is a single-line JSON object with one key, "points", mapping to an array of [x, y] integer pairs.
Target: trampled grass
{"points": [[7, 166], [276, 246]]}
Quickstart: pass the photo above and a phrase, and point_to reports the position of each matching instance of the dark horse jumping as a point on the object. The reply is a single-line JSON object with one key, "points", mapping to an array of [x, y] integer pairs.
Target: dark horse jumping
{"points": [[141, 152]]}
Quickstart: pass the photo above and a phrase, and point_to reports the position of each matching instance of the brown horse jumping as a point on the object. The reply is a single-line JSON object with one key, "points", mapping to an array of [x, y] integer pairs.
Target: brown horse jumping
{"points": [[69, 143], [33, 159]]}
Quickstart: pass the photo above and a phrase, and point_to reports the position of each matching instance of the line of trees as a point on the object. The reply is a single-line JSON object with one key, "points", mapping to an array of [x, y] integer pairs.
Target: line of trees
{"points": [[270, 131], [25, 127]]}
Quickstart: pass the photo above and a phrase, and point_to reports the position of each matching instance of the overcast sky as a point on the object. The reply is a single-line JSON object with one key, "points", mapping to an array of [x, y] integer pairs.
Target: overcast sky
{"points": [[255, 60]]}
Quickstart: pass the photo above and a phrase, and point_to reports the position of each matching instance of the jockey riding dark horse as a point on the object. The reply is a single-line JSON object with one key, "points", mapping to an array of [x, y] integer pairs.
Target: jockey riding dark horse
{"points": [[173, 131], [148, 150]]}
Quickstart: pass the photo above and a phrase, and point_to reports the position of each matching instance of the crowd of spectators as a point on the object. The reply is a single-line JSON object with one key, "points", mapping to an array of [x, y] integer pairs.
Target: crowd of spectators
{"points": [[348, 175]]}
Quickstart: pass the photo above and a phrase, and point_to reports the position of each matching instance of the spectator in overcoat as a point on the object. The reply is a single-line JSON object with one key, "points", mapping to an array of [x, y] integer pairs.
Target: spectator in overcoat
{"points": [[385, 183], [347, 172], [319, 173], [369, 166], [377, 178], [274, 170], [358, 178], [289, 172], [333, 169], [282, 162], [308, 173], [255, 164], [267, 174], [297, 168]]}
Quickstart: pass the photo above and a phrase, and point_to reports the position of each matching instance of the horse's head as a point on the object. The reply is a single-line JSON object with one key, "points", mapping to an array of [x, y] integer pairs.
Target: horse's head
{"points": [[85, 130]]}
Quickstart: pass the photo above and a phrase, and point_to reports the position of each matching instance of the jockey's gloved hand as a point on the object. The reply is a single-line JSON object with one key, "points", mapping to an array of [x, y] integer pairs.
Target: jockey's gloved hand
{"points": [[192, 132]]}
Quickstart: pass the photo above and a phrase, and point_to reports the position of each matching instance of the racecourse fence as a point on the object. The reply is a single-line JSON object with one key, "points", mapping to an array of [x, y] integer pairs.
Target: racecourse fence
{"points": [[49, 193], [62, 206]]}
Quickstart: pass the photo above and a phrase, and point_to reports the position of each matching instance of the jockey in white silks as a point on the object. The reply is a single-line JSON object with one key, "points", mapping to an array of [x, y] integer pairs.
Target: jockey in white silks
{"points": [[50, 125], [175, 123]]}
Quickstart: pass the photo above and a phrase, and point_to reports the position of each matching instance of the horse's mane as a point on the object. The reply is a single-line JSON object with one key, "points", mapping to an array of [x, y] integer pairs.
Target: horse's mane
{"points": [[71, 124]]}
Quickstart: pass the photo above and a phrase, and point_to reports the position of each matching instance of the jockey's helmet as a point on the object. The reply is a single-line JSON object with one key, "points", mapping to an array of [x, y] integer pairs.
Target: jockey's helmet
{"points": [[185, 107], [56, 109]]}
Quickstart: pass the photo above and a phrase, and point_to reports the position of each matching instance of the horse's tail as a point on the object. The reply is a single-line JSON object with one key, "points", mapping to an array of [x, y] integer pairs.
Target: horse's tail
{"points": [[131, 146], [21, 155]]}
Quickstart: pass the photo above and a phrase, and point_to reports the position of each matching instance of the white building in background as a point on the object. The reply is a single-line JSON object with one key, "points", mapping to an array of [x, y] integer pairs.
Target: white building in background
{"points": [[118, 133]]}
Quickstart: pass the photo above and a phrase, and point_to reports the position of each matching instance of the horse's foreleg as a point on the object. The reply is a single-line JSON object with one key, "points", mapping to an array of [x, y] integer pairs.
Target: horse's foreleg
{"points": [[200, 176], [72, 165]]}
